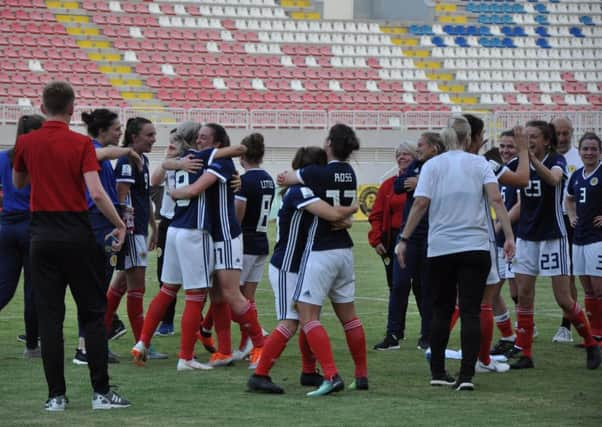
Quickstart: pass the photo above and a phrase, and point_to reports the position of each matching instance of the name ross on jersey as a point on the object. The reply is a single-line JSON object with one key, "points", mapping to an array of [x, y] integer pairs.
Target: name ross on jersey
{"points": [[343, 177]]}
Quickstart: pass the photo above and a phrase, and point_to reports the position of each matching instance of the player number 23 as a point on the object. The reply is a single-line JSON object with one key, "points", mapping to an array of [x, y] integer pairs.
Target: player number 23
{"points": [[549, 261]]}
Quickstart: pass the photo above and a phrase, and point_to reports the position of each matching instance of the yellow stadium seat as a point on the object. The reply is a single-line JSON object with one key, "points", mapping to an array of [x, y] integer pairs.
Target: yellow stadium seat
{"points": [[95, 56], [137, 95], [74, 31], [93, 44], [78, 19]]}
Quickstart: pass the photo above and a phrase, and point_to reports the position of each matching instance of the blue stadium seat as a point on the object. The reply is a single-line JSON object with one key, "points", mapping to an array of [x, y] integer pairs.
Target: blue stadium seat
{"points": [[542, 31], [507, 31], [586, 20], [543, 43], [449, 29], [519, 32], [461, 41], [541, 19], [415, 29], [472, 7], [438, 41], [427, 30], [541, 8], [485, 19], [484, 41], [484, 31], [472, 30], [518, 8], [576, 31], [507, 42]]}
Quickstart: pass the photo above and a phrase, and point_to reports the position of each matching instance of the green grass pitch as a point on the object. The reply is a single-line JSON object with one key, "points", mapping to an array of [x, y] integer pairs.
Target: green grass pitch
{"points": [[559, 392]]}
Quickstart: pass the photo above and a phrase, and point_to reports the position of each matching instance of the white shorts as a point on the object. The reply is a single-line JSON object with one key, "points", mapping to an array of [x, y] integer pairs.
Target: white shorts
{"points": [[252, 268], [284, 284], [228, 254], [493, 278], [134, 253], [546, 258], [587, 259], [327, 274], [188, 258], [504, 267]]}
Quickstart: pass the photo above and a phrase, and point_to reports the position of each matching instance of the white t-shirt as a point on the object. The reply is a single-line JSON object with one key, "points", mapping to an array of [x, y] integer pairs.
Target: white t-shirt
{"points": [[454, 183], [168, 205], [573, 162]]}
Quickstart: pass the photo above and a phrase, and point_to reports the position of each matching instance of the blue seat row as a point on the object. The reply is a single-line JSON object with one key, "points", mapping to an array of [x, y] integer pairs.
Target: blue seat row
{"points": [[495, 19], [421, 30], [506, 42], [495, 8], [515, 31], [543, 43], [466, 30]]}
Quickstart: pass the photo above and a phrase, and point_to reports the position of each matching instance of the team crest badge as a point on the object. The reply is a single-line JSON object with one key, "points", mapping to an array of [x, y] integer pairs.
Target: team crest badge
{"points": [[594, 181], [113, 260], [572, 168], [159, 252]]}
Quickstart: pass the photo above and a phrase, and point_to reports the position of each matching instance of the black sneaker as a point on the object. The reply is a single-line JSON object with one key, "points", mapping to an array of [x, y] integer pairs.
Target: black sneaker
{"points": [[110, 400], [80, 357], [501, 347], [522, 362], [513, 352], [360, 383], [463, 385], [314, 379], [593, 356], [391, 342], [442, 380], [423, 343], [263, 384], [118, 330]]}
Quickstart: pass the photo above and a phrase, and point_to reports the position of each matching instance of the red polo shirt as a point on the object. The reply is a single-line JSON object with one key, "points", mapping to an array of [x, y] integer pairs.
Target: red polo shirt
{"points": [[56, 159]]}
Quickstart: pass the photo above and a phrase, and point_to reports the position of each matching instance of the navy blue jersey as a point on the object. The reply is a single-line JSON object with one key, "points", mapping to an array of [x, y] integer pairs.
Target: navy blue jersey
{"points": [[336, 184], [510, 197], [257, 191], [139, 195], [192, 213], [107, 179], [541, 204], [14, 200], [420, 233], [587, 191], [220, 201], [294, 226]]}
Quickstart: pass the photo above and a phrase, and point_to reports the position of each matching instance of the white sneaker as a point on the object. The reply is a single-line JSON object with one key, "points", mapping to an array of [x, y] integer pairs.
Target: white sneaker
{"points": [[111, 400], [494, 366], [563, 335], [191, 365], [242, 354], [139, 353], [56, 404]]}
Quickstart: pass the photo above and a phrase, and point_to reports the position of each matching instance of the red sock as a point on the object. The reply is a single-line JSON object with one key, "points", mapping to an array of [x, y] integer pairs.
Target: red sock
{"points": [[308, 359], [592, 310], [454, 318], [191, 322], [135, 303], [156, 311], [578, 319], [114, 296], [356, 341], [244, 335], [248, 322], [486, 333], [597, 317], [208, 320], [272, 349], [222, 319], [320, 346], [504, 324], [524, 332]]}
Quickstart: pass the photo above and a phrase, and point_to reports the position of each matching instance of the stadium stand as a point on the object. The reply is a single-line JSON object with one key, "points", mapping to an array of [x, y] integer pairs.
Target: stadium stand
{"points": [[279, 55]]}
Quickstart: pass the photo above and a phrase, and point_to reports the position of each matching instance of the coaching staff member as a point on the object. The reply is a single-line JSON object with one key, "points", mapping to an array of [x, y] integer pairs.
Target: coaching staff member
{"points": [[455, 187], [60, 164]]}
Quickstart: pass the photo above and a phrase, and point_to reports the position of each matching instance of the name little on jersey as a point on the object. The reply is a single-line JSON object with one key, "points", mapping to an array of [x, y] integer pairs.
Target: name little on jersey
{"points": [[266, 183]]}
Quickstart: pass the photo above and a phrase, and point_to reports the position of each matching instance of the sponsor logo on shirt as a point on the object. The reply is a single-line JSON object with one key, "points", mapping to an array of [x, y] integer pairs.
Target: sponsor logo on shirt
{"points": [[126, 170]]}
